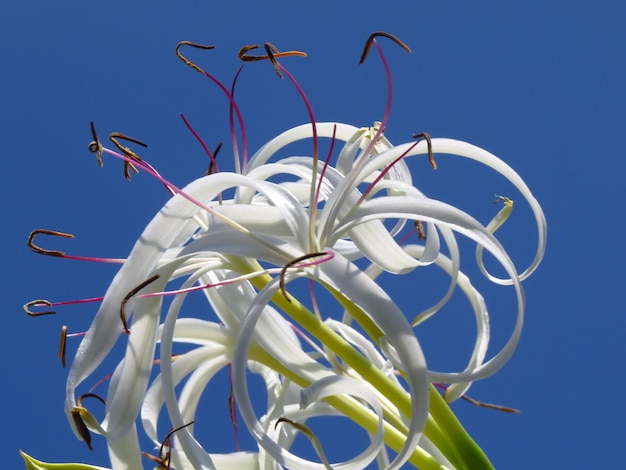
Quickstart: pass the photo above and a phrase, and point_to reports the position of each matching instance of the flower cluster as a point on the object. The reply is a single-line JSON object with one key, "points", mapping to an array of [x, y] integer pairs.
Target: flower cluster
{"points": [[241, 239]]}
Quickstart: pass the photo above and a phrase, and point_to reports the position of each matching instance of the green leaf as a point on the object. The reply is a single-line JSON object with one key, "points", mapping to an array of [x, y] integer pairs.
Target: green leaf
{"points": [[33, 464]]}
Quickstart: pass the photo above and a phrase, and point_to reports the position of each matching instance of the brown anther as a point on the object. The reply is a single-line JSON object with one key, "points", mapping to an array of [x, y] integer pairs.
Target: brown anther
{"points": [[129, 295], [95, 146], [81, 427], [271, 49], [370, 41], [37, 303], [164, 461], [291, 264], [126, 151], [187, 61], [90, 395], [232, 405], [163, 464], [272, 53], [212, 164], [43, 251], [419, 226], [170, 434], [283, 420], [308, 433], [62, 345], [505, 409], [431, 156]]}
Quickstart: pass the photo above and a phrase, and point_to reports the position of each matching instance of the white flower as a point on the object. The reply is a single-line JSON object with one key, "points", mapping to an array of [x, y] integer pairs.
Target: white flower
{"points": [[330, 218]]}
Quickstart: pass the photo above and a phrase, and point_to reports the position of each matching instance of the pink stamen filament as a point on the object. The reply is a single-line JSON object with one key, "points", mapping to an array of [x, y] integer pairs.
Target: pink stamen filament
{"points": [[234, 106], [232, 409], [76, 302], [314, 304], [307, 103], [403, 240], [368, 150], [96, 260], [172, 187], [383, 124], [243, 167], [156, 362], [306, 339], [329, 255], [176, 190], [201, 142], [309, 109], [384, 172], [326, 162]]}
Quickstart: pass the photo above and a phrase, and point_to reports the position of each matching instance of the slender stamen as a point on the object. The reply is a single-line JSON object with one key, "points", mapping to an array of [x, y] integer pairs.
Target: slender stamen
{"points": [[95, 146], [232, 408], [164, 461], [62, 345], [61, 254], [313, 209], [310, 435], [200, 141], [370, 41], [326, 162], [481, 404], [41, 302], [43, 251], [419, 226], [491, 406], [129, 295], [431, 157], [80, 399], [225, 282], [270, 49], [187, 61], [37, 303], [383, 124], [170, 434], [213, 163], [380, 128], [80, 426], [382, 174], [240, 166], [228, 95], [243, 53], [272, 53], [128, 165], [158, 460], [152, 172], [293, 262]]}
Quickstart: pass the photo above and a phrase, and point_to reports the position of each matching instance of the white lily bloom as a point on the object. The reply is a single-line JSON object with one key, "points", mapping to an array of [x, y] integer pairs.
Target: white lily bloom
{"points": [[291, 218]]}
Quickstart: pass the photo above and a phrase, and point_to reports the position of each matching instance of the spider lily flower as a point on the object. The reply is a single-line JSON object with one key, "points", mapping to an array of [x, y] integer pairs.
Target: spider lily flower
{"points": [[292, 218]]}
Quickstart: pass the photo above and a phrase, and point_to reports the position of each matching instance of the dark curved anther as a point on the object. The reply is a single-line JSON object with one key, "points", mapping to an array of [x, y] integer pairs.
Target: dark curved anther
{"points": [[291, 264], [187, 61], [38, 303], [370, 41], [129, 295], [114, 136], [271, 54], [431, 156], [43, 251]]}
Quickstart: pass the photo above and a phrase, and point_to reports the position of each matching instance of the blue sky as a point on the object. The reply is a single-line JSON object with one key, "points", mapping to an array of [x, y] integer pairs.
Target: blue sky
{"points": [[540, 84]]}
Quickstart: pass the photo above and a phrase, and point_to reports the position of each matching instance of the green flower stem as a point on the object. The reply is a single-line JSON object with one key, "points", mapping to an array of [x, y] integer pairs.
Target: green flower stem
{"points": [[471, 454], [354, 410], [442, 428], [446, 442]]}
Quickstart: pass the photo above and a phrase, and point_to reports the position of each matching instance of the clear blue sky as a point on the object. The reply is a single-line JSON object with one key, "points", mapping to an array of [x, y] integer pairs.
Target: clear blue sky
{"points": [[540, 84]]}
